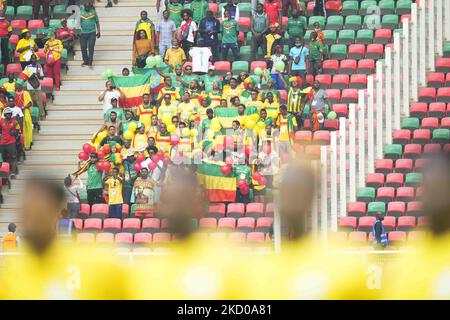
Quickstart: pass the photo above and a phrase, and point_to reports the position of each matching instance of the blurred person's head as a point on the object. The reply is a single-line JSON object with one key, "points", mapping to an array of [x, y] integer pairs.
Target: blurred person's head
{"points": [[12, 227]]}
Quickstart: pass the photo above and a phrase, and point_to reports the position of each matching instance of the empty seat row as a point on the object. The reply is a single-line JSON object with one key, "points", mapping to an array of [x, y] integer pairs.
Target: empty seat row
{"points": [[361, 237], [348, 66], [411, 151], [387, 166], [434, 109], [390, 223], [342, 81], [388, 194], [237, 210], [434, 94], [438, 79], [246, 224], [393, 208]]}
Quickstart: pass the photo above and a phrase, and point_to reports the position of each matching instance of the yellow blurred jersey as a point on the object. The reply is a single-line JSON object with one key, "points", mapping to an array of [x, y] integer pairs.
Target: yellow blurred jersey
{"points": [[63, 273], [424, 274], [303, 271]]}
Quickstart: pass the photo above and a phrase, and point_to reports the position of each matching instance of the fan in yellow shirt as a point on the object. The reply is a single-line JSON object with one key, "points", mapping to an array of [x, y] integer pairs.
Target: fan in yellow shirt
{"points": [[187, 108], [167, 108], [145, 111], [50, 270], [272, 107], [26, 46], [231, 91]]}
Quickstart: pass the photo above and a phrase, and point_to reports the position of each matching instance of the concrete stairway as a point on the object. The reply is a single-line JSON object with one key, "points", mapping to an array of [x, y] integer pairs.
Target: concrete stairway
{"points": [[75, 113]]}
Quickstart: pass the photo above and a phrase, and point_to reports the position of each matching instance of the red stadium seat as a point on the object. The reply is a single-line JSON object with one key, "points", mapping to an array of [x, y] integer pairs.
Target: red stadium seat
{"points": [[419, 110], [330, 66], [254, 210], [356, 209], [303, 137], [445, 123], [331, 124], [395, 180], [341, 110], [216, 210], [264, 224], [429, 123], [366, 223], [246, 224], [99, 210], [375, 180], [78, 223], [421, 136], [405, 194], [131, 225], [403, 165], [255, 237], [236, 210], [125, 238], [208, 223], [269, 209], [333, 7], [93, 224], [442, 64], [374, 51], [227, 224], [397, 237], [348, 66], [414, 208], [222, 67], [443, 95], [358, 81], [347, 223], [417, 235], [437, 109], [412, 151], [423, 222], [88, 238], [366, 66], [214, 7], [237, 237], [18, 25], [165, 225], [334, 95], [321, 137], [105, 238], [143, 238], [385, 194], [35, 24], [112, 225], [435, 79], [85, 210], [161, 238], [324, 80], [340, 81], [427, 95], [431, 149], [47, 84], [244, 24], [356, 51], [283, 95], [349, 96], [258, 64], [396, 208], [447, 80], [402, 136], [13, 68], [218, 236], [357, 237], [406, 223], [151, 225], [313, 152], [382, 36], [13, 40], [419, 164], [419, 193], [384, 166]]}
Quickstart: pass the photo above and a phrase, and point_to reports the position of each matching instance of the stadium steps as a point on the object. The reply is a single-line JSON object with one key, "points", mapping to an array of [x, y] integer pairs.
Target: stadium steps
{"points": [[75, 113]]}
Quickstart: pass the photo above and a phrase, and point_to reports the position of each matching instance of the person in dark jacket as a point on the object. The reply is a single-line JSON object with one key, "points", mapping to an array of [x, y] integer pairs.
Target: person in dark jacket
{"points": [[379, 236], [209, 28]]}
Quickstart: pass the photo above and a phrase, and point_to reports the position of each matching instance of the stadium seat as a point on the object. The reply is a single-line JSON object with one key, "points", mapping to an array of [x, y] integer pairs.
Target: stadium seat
{"points": [[374, 51], [374, 207], [245, 224], [350, 7], [417, 236], [218, 236], [443, 95], [330, 67], [356, 51], [99, 210], [104, 238], [142, 238], [47, 85], [365, 195], [86, 238], [269, 209], [227, 224], [78, 224], [429, 123], [208, 224], [358, 81], [419, 110], [390, 21], [340, 81], [437, 109], [410, 123], [92, 225], [335, 22], [396, 209], [13, 68], [356, 209], [85, 210], [365, 224], [406, 223], [161, 238], [255, 237], [366, 66], [403, 165], [394, 180], [384, 166], [431, 149], [131, 225], [383, 36], [240, 66], [124, 238], [349, 96], [353, 22], [254, 210], [341, 110], [443, 65], [216, 210], [364, 36], [237, 237], [412, 151], [321, 137], [236, 210], [331, 124], [303, 137], [347, 223], [222, 67], [112, 225], [375, 180], [422, 222], [414, 208], [264, 224], [385, 194], [427, 95], [397, 237], [436, 79], [18, 25], [324, 80], [258, 64], [421, 136], [413, 179], [346, 37], [357, 237], [401, 137], [151, 225], [405, 194], [338, 51]]}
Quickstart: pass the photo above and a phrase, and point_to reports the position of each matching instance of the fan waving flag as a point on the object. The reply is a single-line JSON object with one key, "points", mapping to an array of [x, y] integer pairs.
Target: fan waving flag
{"points": [[226, 116], [219, 188]]}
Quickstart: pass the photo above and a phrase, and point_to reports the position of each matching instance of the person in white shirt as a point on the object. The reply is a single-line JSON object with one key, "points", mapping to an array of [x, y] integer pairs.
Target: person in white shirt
{"points": [[187, 32], [111, 91], [200, 58], [232, 8], [72, 191], [36, 70], [16, 111]]}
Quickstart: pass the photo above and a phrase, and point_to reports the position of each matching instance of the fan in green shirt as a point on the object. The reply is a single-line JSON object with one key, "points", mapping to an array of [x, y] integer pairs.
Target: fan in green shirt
{"points": [[296, 25], [316, 49], [209, 78], [88, 19], [229, 29], [95, 177], [175, 9], [199, 9]]}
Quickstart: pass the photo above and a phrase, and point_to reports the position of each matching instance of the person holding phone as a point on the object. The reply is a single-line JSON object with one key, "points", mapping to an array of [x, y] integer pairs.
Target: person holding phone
{"points": [[110, 92]]}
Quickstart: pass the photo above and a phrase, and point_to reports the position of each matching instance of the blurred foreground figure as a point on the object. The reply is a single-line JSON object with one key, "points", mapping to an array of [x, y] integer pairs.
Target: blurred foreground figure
{"points": [[305, 269], [193, 267], [48, 269], [425, 274]]}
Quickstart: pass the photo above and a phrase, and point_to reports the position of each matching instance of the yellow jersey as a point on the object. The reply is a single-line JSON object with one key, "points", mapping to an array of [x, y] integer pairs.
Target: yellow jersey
{"points": [[24, 43]]}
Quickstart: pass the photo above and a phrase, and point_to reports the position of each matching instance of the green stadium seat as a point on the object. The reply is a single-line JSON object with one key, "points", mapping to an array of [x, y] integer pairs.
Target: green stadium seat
{"points": [[367, 7], [330, 36], [353, 22], [24, 12], [338, 51], [374, 207], [413, 179], [315, 19], [239, 66], [410, 123], [365, 195], [447, 49], [403, 7], [346, 37], [10, 12], [59, 11], [55, 23], [364, 36], [308, 35], [245, 52], [393, 151], [390, 21], [386, 6], [335, 22], [350, 7], [441, 136]]}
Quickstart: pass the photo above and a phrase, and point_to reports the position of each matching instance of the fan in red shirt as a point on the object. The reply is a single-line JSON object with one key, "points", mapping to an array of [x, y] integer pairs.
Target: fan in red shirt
{"points": [[66, 35], [9, 129], [273, 10]]}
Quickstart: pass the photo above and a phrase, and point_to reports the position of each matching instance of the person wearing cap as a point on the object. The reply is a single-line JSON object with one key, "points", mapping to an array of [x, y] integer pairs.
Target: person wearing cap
{"points": [[5, 33], [120, 112], [209, 29], [273, 9], [230, 30], [90, 30], [317, 99], [273, 39], [53, 49], [26, 47], [259, 26], [9, 130]]}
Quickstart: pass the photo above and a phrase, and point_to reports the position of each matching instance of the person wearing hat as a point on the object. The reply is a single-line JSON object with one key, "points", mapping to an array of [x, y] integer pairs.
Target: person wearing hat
{"points": [[9, 130], [230, 30], [278, 56], [140, 139], [26, 47]]}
